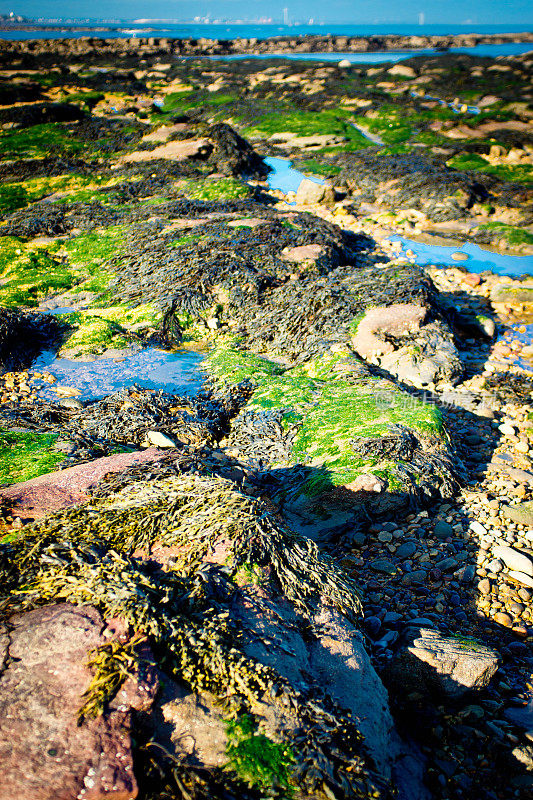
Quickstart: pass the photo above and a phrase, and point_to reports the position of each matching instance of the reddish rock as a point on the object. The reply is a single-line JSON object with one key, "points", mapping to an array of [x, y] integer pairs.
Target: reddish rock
{"points": [[399, 319], [66, 488], [173, 151], [471, 278], [45, 754]]}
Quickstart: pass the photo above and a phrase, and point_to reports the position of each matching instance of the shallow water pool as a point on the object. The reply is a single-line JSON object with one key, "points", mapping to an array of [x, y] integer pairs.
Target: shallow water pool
{"points": [[479, 260], [284, 177], [178, 373]]}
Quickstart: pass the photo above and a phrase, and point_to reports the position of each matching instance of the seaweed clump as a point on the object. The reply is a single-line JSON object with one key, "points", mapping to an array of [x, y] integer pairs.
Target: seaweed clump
{"points": [[22, 335], [110, 553]]}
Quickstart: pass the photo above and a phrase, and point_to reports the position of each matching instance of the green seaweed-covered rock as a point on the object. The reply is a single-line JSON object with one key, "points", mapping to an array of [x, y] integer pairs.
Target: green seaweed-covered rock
{"points": [[329, 430]]}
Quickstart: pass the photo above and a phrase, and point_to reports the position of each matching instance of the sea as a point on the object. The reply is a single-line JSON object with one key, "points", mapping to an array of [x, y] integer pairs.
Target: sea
{"points": [[166, 29]]}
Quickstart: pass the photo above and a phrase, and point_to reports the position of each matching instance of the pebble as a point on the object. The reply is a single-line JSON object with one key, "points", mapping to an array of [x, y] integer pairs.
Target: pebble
{"points": [[406, 550], [416, 576], [384, 566], [443, 530], [477, 527], [484, 586], [503, 619], [385, 537]]}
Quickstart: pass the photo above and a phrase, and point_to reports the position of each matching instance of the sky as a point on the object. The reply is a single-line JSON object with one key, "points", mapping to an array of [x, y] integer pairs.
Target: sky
{"points": [[513, 12]]}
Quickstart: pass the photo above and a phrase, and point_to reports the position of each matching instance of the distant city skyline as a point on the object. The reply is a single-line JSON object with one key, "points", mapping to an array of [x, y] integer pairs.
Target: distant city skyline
{"points": [[380, 12]]}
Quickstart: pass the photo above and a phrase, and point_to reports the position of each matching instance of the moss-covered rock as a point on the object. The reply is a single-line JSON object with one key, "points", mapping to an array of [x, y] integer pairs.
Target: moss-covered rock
{"points": [[323, 426]]}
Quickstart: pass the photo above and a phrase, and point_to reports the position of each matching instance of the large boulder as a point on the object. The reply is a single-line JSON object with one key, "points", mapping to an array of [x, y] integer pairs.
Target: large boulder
{"points": [[448, 666], [45, 753], [38, 497]]}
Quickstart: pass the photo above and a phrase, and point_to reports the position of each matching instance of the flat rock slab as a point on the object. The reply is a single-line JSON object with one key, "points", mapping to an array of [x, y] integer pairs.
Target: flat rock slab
{"points": [[303, 253], [448, 666], [521, 513], [45, 754], [165, 132], [173, 151], [45, 494]]}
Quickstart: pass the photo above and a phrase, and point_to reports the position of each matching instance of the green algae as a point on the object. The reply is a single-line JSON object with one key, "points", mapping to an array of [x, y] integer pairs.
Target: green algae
{"points": [[39, 141], [26, 455], [511, 233], [31, 271], [521, 173], [103, 328], [223, 189], [256, 759], [31, 275], [329, 409], [12, 197], [331, 122], [317, 168]]}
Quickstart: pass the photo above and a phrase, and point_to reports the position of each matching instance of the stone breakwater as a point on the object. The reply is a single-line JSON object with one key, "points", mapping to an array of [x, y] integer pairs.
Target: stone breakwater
{"points": [[275, 45]]}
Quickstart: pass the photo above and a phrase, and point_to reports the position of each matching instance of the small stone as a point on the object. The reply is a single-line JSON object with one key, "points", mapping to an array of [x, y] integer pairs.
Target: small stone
{"points": [[443, 530], [384, 566], [406, 550], [385, 537], [159, 439], [503, 619], [477, 527], [416, 576], [458, 256], [484, 586], [495, 566], [446, 564]]}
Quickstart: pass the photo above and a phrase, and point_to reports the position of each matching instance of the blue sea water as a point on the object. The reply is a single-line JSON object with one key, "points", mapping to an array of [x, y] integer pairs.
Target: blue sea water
{"points": [[158, 28]]}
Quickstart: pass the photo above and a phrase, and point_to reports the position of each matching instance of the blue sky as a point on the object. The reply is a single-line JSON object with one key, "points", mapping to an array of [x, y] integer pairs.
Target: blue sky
{"points": [[516, 12]]}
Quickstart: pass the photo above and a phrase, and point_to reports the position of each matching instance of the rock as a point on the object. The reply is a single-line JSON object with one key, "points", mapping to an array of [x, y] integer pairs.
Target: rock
{"points": [[44, 753], [484, 586], [501, 618], [158, 439], [402, 70], [478, 528], [384, 566], [396, 320], [521, 513], [521, 577], [305, 254], [514, 560], [310, 193], [502, 293], [406, 550], [344, 64], [40, 496], [164, 132], [172, 151], [366, 483], [233, 155], [416, 576], [495, 566], [443, 530], [458, 256], [190, 725], [445, 665]]}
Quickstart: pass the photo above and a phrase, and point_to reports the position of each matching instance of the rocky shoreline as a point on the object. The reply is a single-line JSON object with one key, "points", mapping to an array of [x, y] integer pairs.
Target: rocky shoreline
{"points": [[275, 45], [313, 577]]}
